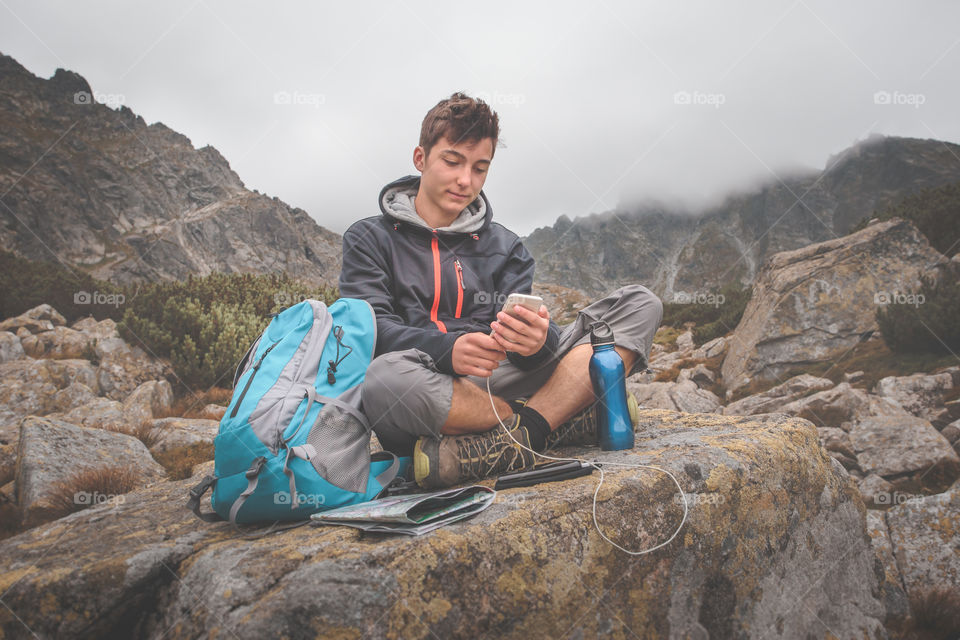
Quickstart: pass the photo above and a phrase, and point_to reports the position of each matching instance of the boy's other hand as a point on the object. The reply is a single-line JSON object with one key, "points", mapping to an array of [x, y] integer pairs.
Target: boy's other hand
{"points": [[476, 354], [523, 334]]}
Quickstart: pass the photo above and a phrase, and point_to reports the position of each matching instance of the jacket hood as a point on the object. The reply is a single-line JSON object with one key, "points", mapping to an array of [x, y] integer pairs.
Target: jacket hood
{"points": [[397, 201]]}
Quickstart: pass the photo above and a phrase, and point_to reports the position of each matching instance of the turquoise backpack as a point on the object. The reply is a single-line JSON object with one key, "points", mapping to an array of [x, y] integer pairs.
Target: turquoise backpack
{"points": [[293, 440]]}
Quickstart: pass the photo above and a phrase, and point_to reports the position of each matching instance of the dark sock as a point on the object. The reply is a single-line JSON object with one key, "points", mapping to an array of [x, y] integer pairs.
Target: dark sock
{"points": [[515, 405], [537, 425]]}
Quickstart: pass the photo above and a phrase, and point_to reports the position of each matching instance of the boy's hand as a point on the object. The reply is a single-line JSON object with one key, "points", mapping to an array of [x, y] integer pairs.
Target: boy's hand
{"points": [[524, 334], [476, 354]]}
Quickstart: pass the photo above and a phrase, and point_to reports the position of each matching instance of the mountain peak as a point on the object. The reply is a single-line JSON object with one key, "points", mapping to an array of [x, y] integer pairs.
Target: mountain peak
{"points": [[70, 83]]}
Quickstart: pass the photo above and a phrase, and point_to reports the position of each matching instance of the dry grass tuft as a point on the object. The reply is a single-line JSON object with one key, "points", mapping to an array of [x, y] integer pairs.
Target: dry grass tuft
{"points": [[143, 431], [91, 487], [934, 615], [179, 461], [190, 405]]}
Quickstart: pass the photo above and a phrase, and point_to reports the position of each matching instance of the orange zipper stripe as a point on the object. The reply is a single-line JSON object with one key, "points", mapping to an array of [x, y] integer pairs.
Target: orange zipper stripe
{"points": [[456, 264], [435, 247]]}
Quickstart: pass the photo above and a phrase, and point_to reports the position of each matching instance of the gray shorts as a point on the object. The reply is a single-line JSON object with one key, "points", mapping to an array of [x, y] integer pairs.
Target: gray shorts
{"points": [[405, 397]]}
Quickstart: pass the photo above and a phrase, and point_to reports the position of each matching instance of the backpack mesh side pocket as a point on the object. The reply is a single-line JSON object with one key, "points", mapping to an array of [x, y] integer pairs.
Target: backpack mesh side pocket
{"points": [[343, 449]]}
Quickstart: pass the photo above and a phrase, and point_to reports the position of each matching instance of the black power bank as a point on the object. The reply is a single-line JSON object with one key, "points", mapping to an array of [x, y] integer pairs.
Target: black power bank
{"points": [[552, 472]]}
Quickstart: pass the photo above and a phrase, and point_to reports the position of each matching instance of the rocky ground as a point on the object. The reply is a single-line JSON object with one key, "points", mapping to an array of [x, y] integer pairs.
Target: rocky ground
{"points": [[77, 400], [850, 488], [818, 506]]}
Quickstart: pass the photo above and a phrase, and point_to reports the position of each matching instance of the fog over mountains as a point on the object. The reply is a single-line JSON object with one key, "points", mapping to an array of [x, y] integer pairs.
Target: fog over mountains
{"points": [[99, 189]]}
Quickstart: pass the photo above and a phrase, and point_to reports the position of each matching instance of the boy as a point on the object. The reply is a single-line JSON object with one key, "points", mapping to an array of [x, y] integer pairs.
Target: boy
{"points": [[436, 269]]}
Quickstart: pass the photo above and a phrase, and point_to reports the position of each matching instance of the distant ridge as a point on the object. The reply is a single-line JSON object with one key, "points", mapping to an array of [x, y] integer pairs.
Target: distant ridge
{"points": [[674, 252], [99, 188]]}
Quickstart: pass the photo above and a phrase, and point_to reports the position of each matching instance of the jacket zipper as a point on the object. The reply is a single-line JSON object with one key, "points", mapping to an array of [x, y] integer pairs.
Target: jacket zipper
{"points": [[256, 367], [435, 247], [456, 264]]}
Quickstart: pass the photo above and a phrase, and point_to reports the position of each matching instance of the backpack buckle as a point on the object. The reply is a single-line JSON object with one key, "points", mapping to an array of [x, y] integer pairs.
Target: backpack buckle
{"points": [[197, 491], [255, 467]]}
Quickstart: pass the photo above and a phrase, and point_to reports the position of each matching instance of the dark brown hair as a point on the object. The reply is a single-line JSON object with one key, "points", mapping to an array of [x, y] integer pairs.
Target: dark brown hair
{"points": [[459, 118]]}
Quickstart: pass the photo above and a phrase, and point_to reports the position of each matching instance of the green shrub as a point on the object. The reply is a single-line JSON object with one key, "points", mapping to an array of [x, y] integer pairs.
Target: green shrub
{"points": [[935, 212], [204, 325], [716, 315], [28, 283], [930, 325]]}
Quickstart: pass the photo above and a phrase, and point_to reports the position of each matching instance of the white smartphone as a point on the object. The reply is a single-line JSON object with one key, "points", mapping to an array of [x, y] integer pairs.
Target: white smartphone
{"points": [[529, 302]]}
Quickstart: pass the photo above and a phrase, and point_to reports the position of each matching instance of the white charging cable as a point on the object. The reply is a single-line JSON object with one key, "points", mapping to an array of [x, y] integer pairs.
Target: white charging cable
{"points": [[599, 467]]}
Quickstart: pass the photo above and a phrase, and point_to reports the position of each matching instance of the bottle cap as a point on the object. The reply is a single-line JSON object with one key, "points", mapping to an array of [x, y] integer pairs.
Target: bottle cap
{"points": [[600, 333]]}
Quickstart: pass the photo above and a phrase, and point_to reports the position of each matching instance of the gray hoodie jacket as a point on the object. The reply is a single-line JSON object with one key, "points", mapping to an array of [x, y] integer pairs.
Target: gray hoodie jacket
{"points": [[430, 286]]}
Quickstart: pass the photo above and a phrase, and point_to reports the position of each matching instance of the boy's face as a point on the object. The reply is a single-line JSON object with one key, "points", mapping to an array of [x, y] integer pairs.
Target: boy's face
{"points": [[453, 174]]}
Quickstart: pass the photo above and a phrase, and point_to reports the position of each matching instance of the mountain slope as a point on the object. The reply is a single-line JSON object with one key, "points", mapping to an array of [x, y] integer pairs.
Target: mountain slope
{"points": [[99, 188], [674, 252]]}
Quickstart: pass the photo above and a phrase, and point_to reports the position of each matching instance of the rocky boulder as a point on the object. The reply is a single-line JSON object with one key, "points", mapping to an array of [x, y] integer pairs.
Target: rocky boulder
{"points": [[810, 304], [784, 393], [699, 374], [840, 407], [149, 400], [98, 413], [894, 596], [775, 545], [906, 451], [173, 433], [37, 387], [51, 452], [213, 412], [10, 347], [123, 368], [925, 534], [920, 394], [712, 349], [41, 318], [683, 395]]}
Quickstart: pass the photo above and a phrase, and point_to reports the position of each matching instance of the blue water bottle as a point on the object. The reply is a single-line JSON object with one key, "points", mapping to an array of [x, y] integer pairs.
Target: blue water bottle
{"points": [[609, 385]]}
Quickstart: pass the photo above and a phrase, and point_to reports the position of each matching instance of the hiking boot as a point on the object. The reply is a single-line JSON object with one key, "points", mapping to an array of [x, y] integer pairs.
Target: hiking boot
{"points": [[455, 459], [581, 429]]}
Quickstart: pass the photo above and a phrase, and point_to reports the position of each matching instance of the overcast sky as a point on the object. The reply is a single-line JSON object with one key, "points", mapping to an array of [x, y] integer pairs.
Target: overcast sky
{"points": [[601, 104]]}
